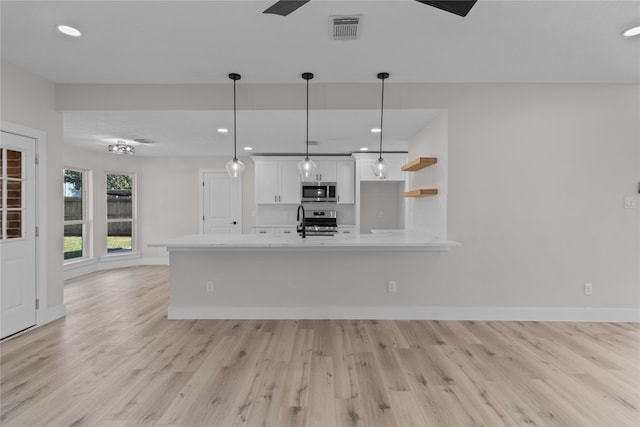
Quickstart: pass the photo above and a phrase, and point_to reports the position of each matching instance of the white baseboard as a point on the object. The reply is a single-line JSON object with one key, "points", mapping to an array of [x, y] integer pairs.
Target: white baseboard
{"points": [[53, 313], [72, 272], [564, 314]]}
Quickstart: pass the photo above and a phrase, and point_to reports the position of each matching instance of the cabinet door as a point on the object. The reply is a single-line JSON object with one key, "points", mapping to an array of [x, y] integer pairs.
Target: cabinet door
{"points": [[345, 181], [289, 182], [269, 231], [286, 232], [266, 182], [325, 171], [346, 230]]}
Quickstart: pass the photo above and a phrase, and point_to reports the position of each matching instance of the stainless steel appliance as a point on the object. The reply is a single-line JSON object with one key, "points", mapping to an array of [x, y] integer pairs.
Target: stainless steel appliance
{"points": [[319, 192], [318, 223]]}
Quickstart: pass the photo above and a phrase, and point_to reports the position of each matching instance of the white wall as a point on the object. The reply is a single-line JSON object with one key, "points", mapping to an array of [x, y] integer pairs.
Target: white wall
{"points": [[429, 214], [380, 206], [28, 100], [536, 179], [167, 196]]}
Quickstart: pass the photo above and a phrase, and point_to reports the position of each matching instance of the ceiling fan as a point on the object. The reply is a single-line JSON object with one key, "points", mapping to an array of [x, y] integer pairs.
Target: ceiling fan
{"points": [[458, 7]]}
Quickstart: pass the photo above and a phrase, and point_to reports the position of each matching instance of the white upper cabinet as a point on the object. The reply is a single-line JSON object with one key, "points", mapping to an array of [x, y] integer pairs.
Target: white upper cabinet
{"points": [[345, 181], [289, 182], [325, 171], [277, 181]]}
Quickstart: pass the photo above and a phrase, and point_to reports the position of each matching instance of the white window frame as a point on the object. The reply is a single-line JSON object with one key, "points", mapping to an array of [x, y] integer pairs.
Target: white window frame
{"points": [[134, 218], [87, 229]]}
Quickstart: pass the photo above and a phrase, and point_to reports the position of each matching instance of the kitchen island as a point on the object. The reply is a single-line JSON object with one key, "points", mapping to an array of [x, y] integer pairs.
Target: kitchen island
{"points": [[250, 276]]}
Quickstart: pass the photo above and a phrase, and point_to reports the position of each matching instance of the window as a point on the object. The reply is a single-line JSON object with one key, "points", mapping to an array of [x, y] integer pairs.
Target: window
{"points": [[120, 213], [11, 194], [76, 243]]}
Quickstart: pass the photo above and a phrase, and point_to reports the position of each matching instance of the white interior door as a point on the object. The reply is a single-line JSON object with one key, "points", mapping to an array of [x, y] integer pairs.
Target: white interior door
{"points": [[18, 240], [222, 203]]}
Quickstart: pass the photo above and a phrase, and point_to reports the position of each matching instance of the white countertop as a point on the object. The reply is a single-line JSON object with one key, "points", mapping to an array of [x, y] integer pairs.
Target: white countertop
{"points": [[389, 240]]}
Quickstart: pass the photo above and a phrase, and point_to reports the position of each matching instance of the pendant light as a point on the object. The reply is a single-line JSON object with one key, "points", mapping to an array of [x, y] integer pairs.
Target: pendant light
{"points": [[378, 166], [234, 166], [307, 167]]}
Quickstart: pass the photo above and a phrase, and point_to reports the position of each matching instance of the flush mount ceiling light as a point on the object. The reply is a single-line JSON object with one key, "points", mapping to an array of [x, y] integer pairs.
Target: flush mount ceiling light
{"points": [[378, 166], [223, 130], [234, 166], [376, 130], [121, 148], [307, 167], [632, 31], [70, 31], [248, 148]]}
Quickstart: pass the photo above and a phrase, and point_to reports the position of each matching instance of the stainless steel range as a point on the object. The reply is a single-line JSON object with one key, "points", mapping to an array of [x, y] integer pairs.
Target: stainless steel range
{"points": [[319, 223]]}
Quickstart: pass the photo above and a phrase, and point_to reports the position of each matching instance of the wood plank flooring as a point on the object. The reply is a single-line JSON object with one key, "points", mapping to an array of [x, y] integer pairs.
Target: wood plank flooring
{"points": [[116, 361]]}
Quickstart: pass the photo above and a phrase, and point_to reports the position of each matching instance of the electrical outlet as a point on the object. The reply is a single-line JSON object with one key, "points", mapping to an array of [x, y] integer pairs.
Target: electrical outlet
{"points": [[588, 289], [209, 286], [392, 286], [630, 202]]}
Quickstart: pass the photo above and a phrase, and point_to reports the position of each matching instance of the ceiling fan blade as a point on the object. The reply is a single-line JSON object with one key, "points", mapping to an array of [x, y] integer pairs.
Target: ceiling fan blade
{"points": [[459, 7], [285, 7]]}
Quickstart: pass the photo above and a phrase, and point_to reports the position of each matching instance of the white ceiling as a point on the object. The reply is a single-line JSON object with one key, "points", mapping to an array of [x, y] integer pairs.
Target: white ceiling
{"points": [[202, 41], [193, 133]]}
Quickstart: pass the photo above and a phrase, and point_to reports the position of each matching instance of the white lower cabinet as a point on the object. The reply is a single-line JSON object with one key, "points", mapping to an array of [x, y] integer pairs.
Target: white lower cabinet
{"points": [[274, 231], [269, 231], [284, 232], [346, 229]]}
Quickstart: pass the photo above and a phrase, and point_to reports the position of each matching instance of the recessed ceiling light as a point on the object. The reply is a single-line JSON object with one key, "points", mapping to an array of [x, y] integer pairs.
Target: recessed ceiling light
{"points": [[632, 31], [70, 31], [223, 130], [364, 149], [248, 148], [375, 130]]}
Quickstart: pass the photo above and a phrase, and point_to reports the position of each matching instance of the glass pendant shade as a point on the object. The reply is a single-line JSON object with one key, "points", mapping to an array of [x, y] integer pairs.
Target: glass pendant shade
{"points": [[235, 168], [307, 168], [379, 168]]}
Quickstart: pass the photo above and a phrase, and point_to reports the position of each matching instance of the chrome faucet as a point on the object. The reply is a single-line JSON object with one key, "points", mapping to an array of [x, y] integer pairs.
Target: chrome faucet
{"points": [[302, 224]]}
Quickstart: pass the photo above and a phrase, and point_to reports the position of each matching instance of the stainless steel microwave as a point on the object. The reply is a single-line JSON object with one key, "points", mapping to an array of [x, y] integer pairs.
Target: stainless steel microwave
{"points": [[319, 192]]}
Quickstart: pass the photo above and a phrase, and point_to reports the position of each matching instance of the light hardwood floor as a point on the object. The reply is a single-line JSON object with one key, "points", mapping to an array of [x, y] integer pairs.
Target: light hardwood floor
{"points": [[116, 361]]}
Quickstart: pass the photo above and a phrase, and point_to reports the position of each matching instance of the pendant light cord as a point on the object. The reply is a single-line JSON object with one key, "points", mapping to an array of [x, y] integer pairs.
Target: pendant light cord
{"points": [[235, 157], [307, 157], [307, 77], [381, 76]]}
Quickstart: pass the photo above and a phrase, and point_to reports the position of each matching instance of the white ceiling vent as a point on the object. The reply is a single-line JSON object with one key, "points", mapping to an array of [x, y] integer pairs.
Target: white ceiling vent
{"points": [[344, 27]]}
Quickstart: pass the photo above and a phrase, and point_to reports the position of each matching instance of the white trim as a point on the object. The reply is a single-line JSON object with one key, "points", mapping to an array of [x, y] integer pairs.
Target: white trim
{"points": [[110, 264], [541, 314], [41, 213], [201, 173], [55, 313], [87, 216]]}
